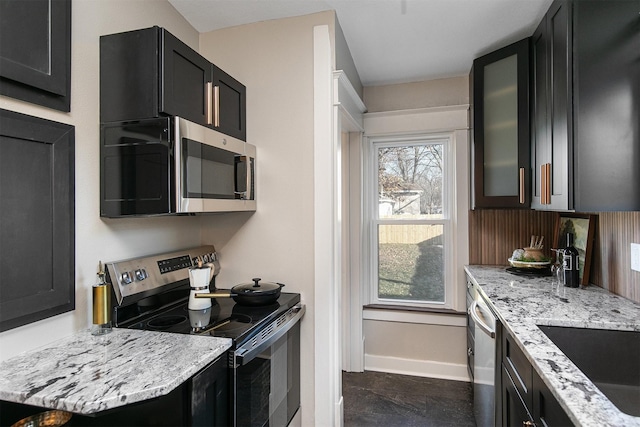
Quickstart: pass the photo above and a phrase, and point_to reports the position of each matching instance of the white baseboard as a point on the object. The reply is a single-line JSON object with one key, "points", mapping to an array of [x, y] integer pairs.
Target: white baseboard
{"points": [[417, 368], [339, 415]]}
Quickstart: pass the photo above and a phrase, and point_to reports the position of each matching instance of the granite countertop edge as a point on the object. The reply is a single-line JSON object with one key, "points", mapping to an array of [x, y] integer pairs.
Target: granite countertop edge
{"points": [[522, 303], [87, 374]]}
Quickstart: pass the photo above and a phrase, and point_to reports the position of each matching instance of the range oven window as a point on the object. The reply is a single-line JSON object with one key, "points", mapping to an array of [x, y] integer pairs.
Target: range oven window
{"points": [[211, 172]]}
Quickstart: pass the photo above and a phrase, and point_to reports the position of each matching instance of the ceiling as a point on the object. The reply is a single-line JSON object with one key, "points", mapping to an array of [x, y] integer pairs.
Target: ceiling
{"points": [[393, 41]]}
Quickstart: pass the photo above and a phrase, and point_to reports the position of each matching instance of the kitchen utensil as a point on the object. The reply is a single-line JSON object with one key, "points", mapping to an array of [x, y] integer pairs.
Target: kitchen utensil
{"points": [[254, 294], [199, 279]]}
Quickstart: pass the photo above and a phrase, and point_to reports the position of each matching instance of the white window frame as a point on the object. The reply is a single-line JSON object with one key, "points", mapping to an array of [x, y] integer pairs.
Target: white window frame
{"points": [[372, 220]]}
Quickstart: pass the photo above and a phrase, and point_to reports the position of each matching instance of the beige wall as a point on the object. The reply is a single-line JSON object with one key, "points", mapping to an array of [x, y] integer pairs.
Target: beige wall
{"points": [[98, 239], [427, 94], [426, 349], [274, 59], [431, 344]]}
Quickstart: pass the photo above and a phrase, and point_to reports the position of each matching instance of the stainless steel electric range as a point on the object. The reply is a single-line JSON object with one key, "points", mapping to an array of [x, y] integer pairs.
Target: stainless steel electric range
{"points": [[152, 293]]}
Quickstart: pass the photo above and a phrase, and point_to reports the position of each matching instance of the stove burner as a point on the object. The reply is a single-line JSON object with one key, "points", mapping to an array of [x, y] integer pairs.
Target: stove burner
{"points": [[165, 322]]}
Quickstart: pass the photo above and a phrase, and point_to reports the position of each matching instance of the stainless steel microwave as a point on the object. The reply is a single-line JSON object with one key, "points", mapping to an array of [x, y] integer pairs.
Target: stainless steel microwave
{"points": [[165, 166]]}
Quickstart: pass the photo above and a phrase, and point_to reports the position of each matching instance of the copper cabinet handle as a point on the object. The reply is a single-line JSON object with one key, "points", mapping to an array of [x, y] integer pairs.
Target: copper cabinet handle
{"points": [[209, 97], [548, 179], [543, 184], [521, 176], [216, 103]]}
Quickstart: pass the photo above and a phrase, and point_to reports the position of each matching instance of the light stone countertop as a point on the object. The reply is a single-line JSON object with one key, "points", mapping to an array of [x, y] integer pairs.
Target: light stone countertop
{"points": [[86, 374], [521, 303]]}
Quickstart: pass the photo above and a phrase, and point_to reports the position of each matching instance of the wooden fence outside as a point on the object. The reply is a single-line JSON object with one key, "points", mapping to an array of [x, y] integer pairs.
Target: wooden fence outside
{"points": [[411, 234]]}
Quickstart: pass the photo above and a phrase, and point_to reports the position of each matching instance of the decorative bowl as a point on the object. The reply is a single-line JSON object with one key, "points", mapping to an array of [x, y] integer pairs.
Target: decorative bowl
{"points": [[529, 264]]}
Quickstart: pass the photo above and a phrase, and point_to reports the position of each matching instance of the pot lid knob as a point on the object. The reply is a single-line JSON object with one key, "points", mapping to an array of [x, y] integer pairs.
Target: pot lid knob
{"points": [[255, 282]]}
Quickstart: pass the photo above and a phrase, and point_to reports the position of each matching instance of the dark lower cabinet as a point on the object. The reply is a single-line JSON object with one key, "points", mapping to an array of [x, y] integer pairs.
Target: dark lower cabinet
{"points": [[514, 411], [546, 409], [35, 52], [524, 398], [203, 400], [37, 219], [150, 73]]}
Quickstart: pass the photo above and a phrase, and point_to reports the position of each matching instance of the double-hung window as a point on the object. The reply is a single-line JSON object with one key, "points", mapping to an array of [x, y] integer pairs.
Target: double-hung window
{"points": [[410, 229]]}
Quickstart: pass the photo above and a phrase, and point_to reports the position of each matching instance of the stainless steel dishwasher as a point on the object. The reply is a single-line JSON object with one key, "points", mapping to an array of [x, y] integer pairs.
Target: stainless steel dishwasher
{"points": [[482, 325]]}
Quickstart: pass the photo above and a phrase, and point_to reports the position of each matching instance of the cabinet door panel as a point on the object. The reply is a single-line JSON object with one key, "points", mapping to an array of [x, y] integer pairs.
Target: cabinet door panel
{"points": [[37, 227], [514, 411], [540, 130], [501, 149], [561, 120], [185, 75], [552, 130], [518, 366], [35, 51], [607, 99], [231, 106], [547, 412]]}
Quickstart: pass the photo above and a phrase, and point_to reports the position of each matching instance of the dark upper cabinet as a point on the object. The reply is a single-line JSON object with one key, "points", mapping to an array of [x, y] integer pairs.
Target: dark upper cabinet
{"points": [[185, 82], [585, 107], [35, 52], [37, 225], [607, 105], [500, 122], [230, 105], [551, 110], [150, 73]]}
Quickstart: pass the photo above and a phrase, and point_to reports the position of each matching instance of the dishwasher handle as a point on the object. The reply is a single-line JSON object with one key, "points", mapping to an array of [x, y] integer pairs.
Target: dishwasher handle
{"points": [[476, 319]]}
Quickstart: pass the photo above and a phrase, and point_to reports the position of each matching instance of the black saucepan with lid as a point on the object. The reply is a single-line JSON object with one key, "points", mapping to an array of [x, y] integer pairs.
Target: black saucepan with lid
{"points": [[256, 293]]}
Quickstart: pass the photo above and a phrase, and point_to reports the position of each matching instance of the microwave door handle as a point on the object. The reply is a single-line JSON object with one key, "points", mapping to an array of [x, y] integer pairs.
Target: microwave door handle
{"points": [[249, 193], [246, 195]]}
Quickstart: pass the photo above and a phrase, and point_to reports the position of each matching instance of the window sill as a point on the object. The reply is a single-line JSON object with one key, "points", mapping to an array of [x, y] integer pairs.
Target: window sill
{"points": [[420, 315]]}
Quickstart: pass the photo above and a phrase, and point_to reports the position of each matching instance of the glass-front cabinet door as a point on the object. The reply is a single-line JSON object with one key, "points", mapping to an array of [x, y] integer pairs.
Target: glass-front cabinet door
{"points": [[500, 128]]}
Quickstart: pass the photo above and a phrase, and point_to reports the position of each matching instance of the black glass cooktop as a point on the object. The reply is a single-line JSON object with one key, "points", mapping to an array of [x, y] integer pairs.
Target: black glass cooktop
{"points": [[225, 318]]}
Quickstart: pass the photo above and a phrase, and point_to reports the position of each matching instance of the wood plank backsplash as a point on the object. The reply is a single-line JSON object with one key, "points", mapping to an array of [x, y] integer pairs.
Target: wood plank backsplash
{"points": [[495, 233]]}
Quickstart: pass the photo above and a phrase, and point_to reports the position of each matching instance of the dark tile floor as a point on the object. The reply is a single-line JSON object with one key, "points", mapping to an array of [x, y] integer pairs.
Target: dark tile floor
{"points": [[381, 399]]}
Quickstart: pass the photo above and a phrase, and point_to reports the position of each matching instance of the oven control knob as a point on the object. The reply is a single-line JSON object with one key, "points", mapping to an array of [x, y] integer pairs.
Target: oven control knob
{"points": [[141, 274], [126, 278], [205, 258]]}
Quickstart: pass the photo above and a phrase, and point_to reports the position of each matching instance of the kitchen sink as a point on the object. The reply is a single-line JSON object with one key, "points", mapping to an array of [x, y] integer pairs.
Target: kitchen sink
{"points": [[609, 358]]}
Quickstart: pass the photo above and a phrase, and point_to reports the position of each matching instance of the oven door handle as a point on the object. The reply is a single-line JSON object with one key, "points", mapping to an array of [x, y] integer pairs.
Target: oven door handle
{"points": [[246, 353], [483, 326]]}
